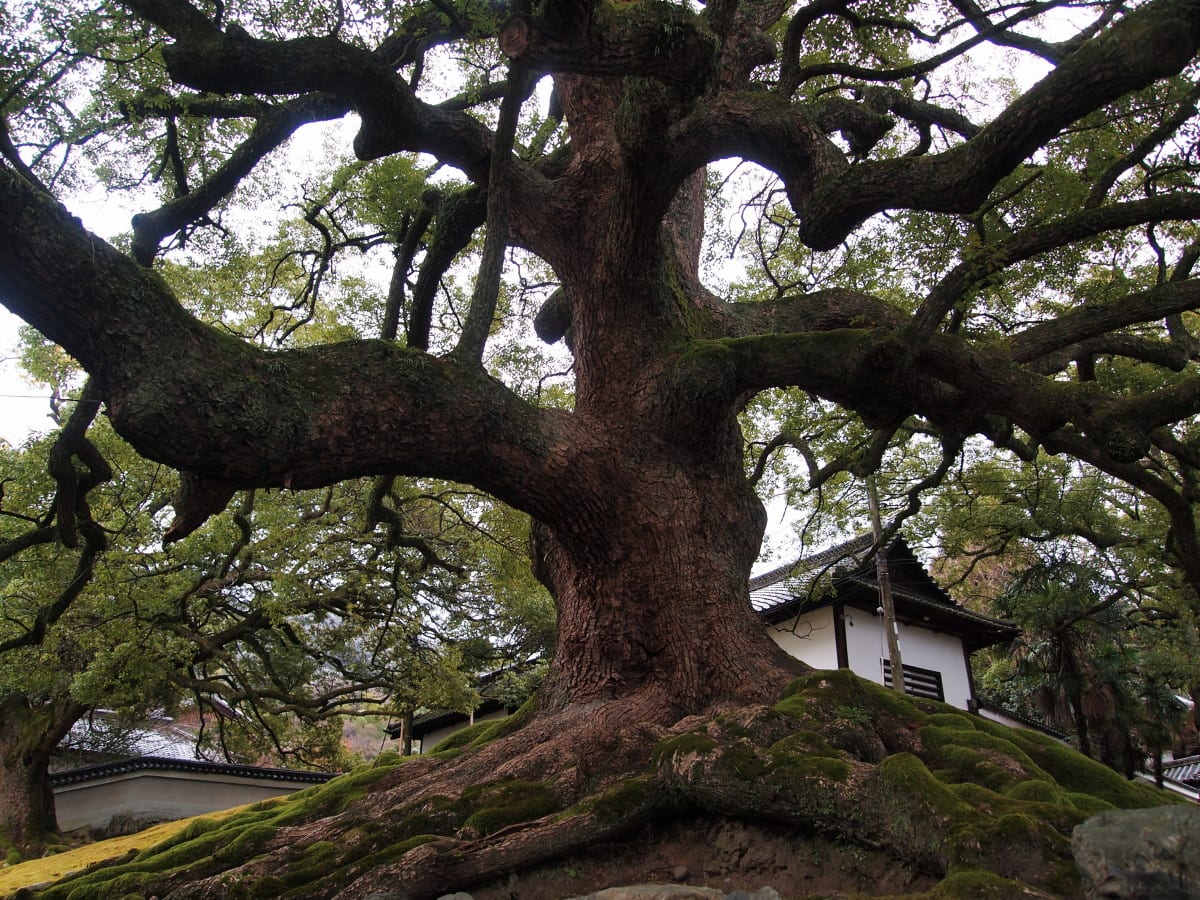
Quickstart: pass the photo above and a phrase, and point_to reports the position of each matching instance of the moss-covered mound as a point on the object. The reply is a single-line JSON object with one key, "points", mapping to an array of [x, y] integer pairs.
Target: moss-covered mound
{"points": [[981, 809]]}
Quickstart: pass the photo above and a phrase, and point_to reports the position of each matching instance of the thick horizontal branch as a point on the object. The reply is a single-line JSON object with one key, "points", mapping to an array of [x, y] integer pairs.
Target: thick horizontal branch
{"points": [[234, 62], [818, 311], [1169, 355], [1156, 41], [199, 400], [959, 387], [273, 128], [762, 128], [1096, 319], [989, 259]]}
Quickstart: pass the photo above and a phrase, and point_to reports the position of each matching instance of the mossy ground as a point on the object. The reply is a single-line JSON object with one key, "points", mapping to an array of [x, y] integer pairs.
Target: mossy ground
{"points": [[964, 806], [56, 866]]}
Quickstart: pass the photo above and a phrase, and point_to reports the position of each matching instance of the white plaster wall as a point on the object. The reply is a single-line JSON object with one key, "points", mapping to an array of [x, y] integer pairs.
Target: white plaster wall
{"points": [[435, 737], [921, 647], [809, 638], [158, 796]]}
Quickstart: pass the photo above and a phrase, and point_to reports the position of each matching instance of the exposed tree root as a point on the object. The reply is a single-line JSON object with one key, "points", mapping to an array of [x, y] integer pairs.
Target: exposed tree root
{"points": [[948, 794]]}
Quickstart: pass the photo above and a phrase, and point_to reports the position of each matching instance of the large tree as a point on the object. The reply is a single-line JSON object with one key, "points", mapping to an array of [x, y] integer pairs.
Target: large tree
{"points": [[1033, 284]]}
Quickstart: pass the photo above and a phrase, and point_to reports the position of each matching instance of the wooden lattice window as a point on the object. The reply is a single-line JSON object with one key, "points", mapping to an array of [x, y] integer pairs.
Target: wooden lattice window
{"points": [[917, 681]]}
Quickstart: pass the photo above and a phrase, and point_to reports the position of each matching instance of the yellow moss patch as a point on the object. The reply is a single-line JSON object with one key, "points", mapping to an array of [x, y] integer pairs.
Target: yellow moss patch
{"points": [[52, 868]]}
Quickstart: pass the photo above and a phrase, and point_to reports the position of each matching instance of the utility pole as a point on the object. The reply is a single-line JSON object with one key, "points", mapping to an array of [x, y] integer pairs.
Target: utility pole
{"points": [[885, 588]]}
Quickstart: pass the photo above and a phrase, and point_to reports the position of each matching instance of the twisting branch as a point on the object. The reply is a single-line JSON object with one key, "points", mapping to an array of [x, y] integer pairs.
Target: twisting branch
{"points": [[989, 259], [1102, 185], [413, 233], [457, 216], [920, 68], [478, 322], [980, 21], [274, 126], [73, 514]]}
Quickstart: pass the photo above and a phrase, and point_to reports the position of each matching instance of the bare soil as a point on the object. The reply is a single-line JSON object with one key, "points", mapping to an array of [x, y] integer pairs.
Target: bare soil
{"points": [[718, 853]]}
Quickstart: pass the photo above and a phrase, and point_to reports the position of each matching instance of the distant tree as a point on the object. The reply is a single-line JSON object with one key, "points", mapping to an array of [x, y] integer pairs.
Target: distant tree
{"points": [[1095, 658], [270, 624]]}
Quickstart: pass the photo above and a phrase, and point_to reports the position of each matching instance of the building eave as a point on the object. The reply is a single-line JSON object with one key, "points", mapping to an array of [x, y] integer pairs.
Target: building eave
{"points": [[160, 764]]}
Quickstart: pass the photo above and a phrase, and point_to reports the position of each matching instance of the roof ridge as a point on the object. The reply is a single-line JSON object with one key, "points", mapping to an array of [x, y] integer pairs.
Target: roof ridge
{"points": [[140, 763], [807, 563]]}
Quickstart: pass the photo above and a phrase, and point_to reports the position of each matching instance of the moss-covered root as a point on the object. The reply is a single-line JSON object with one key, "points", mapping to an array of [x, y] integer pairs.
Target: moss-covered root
{"points": [[983, 808], [949, 793], [426, 871]]}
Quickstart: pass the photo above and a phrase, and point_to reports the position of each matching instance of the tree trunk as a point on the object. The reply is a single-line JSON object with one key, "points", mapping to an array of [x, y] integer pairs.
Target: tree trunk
{"points": [[654, 606], [406, 724], [28, 737]]}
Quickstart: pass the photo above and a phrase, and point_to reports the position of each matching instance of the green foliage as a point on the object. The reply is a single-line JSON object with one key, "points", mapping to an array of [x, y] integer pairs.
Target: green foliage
{"points": [[507, 802]]}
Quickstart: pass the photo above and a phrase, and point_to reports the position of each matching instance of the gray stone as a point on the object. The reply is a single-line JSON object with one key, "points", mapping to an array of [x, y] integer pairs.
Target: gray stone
{"points": [[677, 892], [1140, 854], [656, 892]]}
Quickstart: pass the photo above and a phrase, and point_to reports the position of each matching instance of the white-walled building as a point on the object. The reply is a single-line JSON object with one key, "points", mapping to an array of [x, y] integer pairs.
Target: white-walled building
{"points": [[825, 611]]}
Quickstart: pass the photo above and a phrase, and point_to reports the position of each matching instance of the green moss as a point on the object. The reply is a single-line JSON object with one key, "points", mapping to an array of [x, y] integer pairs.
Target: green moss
{"points": [[961, 753], [808, 743], [1024, 827], [333, 882], [177, 855], [1077, 773], [623, 799], [959, 721], [1037, 791], [743, 761], [959, 764], [124, 884], [190, 833], [842, 689], [1087, 804], [683, 744], [268, 888], [912, 792], [479, 733], [978, 884], [507, 802], [485, 732], [245, 844], [803, 765]]}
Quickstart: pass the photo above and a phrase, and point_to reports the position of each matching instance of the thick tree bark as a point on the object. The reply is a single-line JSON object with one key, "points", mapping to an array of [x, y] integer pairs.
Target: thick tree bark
{"points": [[652, 597], [28, 737]]}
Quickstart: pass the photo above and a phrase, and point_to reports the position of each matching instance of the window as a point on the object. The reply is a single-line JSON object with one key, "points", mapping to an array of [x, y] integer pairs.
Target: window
{"points": [[918, 682]]}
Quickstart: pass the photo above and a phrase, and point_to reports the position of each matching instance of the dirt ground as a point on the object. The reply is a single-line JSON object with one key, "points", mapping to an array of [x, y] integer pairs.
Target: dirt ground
{"points": [[721, 854]]}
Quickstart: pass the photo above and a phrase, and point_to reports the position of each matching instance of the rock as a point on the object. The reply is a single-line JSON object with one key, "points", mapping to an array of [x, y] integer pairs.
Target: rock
{"points": [[458, 896], [656, 892], [676, 892], [1140, 854], [679, 873]]}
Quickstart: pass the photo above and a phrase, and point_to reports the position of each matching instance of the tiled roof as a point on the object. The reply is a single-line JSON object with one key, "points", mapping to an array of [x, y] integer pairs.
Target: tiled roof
{"points": [[1036, 723], [1186, 770], [783, 591], [162, 740], [786, 583], [142, 763]]}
